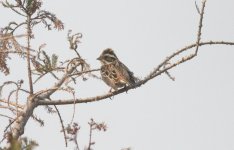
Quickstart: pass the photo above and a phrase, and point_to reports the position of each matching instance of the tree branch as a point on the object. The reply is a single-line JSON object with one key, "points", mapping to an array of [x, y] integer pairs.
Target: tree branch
{"points": [[61, 122], [19, 124], [28, 54], [156, 72], [200, 25], [41, 97], [32, 103]]}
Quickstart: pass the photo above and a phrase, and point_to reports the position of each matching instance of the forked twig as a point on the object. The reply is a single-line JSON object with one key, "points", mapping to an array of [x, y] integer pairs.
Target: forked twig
{"points": [[200, 25]]}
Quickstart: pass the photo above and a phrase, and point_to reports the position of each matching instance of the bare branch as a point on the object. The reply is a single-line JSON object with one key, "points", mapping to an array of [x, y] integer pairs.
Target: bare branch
{"points": [[5, 84], [74, 107], [42, 75], [92, 127], [37, 119], [167, 72], [12, 7], [24, 115], [61, 122], [6, 116], [28, 54], [198, 10], [170, 76], [12, 103], [83, 72], [200, 25], [10, 36], [153, 74]]}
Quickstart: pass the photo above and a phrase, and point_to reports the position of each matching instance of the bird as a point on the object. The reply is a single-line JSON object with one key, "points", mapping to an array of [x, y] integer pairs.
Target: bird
{"points": [[113, 72]]}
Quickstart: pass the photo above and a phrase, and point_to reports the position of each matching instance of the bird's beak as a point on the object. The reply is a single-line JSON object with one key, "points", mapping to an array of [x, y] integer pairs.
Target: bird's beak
{"points": [[99, 58]]}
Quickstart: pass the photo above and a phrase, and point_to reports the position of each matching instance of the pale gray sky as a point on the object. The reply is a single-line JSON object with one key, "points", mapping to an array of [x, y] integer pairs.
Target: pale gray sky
{"points": [[195, 112]]}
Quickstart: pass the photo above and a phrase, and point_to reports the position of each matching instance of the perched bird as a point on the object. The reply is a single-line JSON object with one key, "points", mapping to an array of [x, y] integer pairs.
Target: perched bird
{"points": [[114, 73]]}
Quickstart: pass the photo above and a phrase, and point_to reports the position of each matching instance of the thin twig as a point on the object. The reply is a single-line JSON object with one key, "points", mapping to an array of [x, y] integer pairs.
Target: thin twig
{"points": [[200, 26], [197, 8], [83, 72], [42, 75], [11, 122], [12, 92], [18, 26], [74, 107], [167, 72], [17, 97], [61, 122], [170, 76], [90, 136], [12, 8], [10, 36], [6, 116], [12, 103]]}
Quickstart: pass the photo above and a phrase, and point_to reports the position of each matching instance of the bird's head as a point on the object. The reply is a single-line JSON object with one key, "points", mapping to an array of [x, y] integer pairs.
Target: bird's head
{"points": [[107, 57]]}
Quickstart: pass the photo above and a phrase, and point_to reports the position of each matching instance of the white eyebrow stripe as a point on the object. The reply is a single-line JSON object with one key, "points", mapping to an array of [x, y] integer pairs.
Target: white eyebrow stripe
{"points": [[109, 55]]}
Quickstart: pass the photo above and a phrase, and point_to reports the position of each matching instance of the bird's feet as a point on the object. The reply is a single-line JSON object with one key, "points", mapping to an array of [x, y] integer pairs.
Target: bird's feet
{"points": [[111, 92]]}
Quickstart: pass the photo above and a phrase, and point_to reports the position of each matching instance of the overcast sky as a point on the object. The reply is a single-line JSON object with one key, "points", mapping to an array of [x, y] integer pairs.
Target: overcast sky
{"points": [[194, 112]]}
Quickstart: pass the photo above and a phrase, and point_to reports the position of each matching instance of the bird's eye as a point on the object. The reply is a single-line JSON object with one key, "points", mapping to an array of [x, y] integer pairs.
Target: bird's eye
{"points": [[109, 59]]}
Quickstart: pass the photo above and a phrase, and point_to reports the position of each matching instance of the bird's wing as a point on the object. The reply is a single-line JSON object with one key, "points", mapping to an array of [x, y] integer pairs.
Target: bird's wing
{"points": [[129, 76]]}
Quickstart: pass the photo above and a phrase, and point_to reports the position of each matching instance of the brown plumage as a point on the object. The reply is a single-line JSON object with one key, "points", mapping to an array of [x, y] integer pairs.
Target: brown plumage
{"points": [[114, 73]]}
